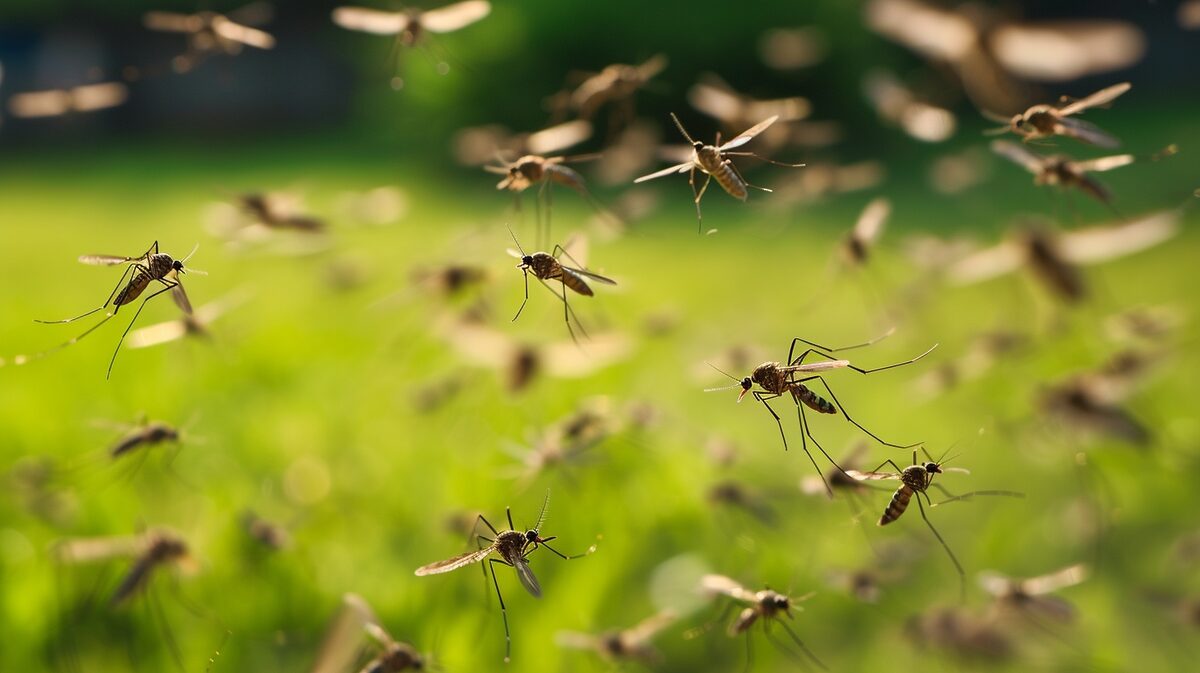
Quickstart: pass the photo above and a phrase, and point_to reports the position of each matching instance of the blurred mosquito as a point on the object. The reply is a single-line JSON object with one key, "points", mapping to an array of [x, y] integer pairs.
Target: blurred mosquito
{"points": [[916, 480], [449, 280], [715, 163], [564, 443], [411, 25], [512, 548], [856, 247], [1061, 170], [213, 33], [478, 145], [896, 105], [962, 633], [714, 97], [1047, 121], [866, 583], [766, 605], [737, 495], [546, 266], [776, 380], [1030, 597], [616, 84], [622, 645], [150, 267], [1092, 409], [59, 102], [277, 210], [266, 533], [533, 169], [789, 49], [196, 324], [343, 644]]}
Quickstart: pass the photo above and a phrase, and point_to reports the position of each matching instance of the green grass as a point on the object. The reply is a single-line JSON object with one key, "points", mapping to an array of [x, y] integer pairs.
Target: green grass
{"points": [[303, 414]]}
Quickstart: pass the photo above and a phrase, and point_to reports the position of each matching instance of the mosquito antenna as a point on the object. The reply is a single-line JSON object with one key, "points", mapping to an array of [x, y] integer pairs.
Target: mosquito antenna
{"points": [[189, 255], [679, 125], [542, 514], [727, 374], [514, 238]]}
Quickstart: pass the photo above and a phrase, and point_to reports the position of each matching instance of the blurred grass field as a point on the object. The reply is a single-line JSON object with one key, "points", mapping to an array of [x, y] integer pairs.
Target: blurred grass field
{"points": [[303, 410]]}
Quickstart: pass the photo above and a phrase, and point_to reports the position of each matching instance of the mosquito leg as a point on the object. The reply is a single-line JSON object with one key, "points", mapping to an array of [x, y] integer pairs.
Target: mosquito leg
{"points": [[783, 647], [503, 611], [488, 524], [892, 463], [827, 349], [168, 285], [763, 397], [749, 654], [848, 418], [962, 575], [741, 177], [120, 284], [564, 556], [161, 616], [950, 497], [524, 301], [700, 195], [802, 646], [568, 309], [804, 445], [860, 370]]}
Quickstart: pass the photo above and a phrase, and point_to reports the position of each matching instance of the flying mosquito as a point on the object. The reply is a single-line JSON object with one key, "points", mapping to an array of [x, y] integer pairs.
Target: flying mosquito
{"points": [[766, 605], [621, 645], [512, 547], [546, 266], [144, 433], [965, 634], [196, 324], [1083, 407], [1063, 171], [535, 169], [715, 163], [478, 145], [277, 210], [777, 380], [895, 104], [616, 84], [410, 25], [149, 551], [917, 479], [1030, 597], [856, 247], [343, 644], [266, 533], [1047, 121], [150, 267], [737, 495], [213, 33], [59, 102]]}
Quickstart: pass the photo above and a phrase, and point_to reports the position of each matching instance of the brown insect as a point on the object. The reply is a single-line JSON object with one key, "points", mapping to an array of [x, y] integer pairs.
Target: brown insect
{"points": [[342, 646], [621, 645], [142, 271], [190, 325], [616, 84], [149, 551], [1062, 171], [962, 633], [546, 266], [895, 104], [793, 48], [276, 210], [856, 247], [564, 443], [1047, 121], [1054, 257], [512, 548], [449, 280], [717, 99], [737, 495], [766, 606], [478, 145], [777, 379], [916, 480], [1029, 597], [534, 169], [144, 433], [213, 33], [715, 163], [1086, 407], [270, 535], [58, 102]]}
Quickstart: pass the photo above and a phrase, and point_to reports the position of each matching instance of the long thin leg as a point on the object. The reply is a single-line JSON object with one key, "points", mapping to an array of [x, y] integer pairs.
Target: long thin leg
{"points": [[167, 285], [801, 645], [526, 300], [741, 177], [508, 513], [783, 647], [962, 575], [568, 309], [848, 418], [168, 635], [804, 445], [819, 347], [564, 556], [950, 497], [891, 462], [760, 158], [700, 195], [503, 611], [763, 397], [120, 284], [749, 653], [559, 249]]}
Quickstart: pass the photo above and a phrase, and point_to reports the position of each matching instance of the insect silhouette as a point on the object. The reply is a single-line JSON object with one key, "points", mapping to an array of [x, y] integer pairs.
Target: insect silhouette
{"points": [[777, 379], [343, 643], [511, 548], [150, 551], [535, 169], [190, 325], [213, 33], [621, 645], [715, 163], [58, 102], [277, 210], [547, 267], [1081, 405], [1029, 597], [616, 84], [915, 481], [895, 104], [478, 145], [962, 633], [766, 606], [142, 271], [1062, 171], [265, 533], [856, 247], [1047, 121]]}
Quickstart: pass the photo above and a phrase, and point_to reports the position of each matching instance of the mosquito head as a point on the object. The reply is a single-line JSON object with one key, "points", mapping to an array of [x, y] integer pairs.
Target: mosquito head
{"points": [[526, 262], [933, 468], [532, 536], [697, 145], [178, 266], [746, 385], [1019, 123]]}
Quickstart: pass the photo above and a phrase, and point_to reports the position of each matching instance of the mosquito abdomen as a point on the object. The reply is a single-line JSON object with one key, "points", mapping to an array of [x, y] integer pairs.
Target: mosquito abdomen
{"points": [[134, 289], [897, 506], [812, 400]]}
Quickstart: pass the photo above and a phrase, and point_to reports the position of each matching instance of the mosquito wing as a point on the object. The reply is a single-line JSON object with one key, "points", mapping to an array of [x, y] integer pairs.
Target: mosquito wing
{"points": [[724, 586], [40, 103], [816, 366], [1061, 51], [646, 629], [83, 550], [455, 563], [716, 100], [654, 65], [525, 574], [343, 641], [562, 136], [453, 17], [567, 359], [749, 134], [243, 34], [871, 476], [1087, 132], [172, 22], [163, 332], [678, 168], [1018, 155], [179, 296], [105, 260], [1100, 244], [930, 31], [1059, 579], [367, 20], [1101, 97], [583, 274], [577, 641], [872, 220], [1104, 163], [986, 264]]}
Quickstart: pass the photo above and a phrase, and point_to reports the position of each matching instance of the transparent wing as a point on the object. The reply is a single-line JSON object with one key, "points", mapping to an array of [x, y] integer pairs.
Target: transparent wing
{"points": [[1087, 132], [525, 574], [179, 296], [40, 103], [455, 563], [91, 97], [374, 21], [716, 101], [986, 264], [243, 34], [872, 220], [588, 275], [678, 168], [154, 335], [576, 640], [747, 135], [994, 583], [344, 638], [654, 65], [722, 585], [1100, 244], [105, 260], [1101, 97], [1061, 51], [172, 22], [816, 366], [1104, 163], [871, 476], [456, 16], [567, 359], [646, 629], [930, 31], [559, 137], [478, 344], [1059, 579], [83, 550], [1018, 155]]}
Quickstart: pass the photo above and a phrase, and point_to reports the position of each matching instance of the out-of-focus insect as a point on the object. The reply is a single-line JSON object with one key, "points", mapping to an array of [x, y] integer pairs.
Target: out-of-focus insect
{"points": [[1085, 407], [512, 548], [150, 267], [737, 495], [546, 266], [961, 633], [410, 26], [1189, 14], [957, 172], [58, 102], [1028, 597], [916, 480], [837, 480], [857, 246], [821, 180], [478, 145], [778, 379], [533, 169], [615, 84], [523, 363], [983, 353], [196, 324], [714, 97], [1054, 257], [621, 645], [149, 551], [866, 583], [212, 33], [1047, 121], [897, 105], [379, 206], [714, 162], [143, 434], [1152, 324], [277, 210], [627, 156], [1063, 171], [270, 535], [562, 444], [771, 607], [343, 644], [793, 48], [449, 280]]}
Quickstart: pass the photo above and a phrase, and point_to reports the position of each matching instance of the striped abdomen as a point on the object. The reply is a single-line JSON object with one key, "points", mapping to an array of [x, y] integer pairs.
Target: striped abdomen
{"points": [[812, 400], [897, 506], [134, 581], [712, 163], [139, 283], [744, 621], [564, 176]]}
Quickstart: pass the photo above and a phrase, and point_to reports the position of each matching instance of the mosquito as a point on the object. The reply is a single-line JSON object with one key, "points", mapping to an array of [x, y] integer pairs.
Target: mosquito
{"points": [[735, 494], [546, 266], [144, 433], [150, 267], [715, 163], [622, 645], [194, 325], [535, 169], [1047, 121], [856, 247], [898, 106], [616, 84], [512, 547], [59, 102], [276, 210], [766, 605], [213, 33], [962, 633], [1088, 408], [1030, 596], [714, 97], [777, 380], [343, 643], [270, 535], [1063, 171], [917, 479], [478, 145]]}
